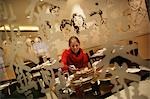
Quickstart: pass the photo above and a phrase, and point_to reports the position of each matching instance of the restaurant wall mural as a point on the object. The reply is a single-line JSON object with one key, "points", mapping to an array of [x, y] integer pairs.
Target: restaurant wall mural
{"points": [[102, 23], [102, 19]]}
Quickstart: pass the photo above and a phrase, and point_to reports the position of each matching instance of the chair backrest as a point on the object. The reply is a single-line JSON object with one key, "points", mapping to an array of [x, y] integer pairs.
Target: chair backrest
{"points": [[91, 52]]}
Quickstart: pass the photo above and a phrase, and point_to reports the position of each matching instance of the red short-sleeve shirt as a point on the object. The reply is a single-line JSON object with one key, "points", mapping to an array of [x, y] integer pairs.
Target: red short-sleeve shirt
{"points": [[69, 58]]}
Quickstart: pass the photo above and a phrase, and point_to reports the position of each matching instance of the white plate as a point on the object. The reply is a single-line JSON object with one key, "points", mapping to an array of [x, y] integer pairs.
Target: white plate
{"points": [[133, 70]]}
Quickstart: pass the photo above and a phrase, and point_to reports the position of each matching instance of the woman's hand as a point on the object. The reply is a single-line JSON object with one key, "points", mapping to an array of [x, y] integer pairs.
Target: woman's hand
{"points": [[72, 68]]}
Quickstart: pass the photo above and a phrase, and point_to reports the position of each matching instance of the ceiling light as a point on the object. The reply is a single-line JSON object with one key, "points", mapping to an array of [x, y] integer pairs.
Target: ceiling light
{"points": [[21, 28]]}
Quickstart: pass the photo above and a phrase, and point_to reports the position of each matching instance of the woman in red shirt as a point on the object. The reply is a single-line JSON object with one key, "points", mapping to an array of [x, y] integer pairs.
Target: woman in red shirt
{"points": [[74, 56]]}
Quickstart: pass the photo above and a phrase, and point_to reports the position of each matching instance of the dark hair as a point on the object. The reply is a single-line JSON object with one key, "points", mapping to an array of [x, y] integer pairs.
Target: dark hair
{"points": [[73, 37], [100, 12], [64, 22], [77, 28], [74, 15], [53, 7]]}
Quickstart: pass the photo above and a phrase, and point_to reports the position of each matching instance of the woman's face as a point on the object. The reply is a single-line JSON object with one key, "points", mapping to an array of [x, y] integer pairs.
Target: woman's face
{"points": [[75, 46], [78, 21], [55, 11], [67, 29]]}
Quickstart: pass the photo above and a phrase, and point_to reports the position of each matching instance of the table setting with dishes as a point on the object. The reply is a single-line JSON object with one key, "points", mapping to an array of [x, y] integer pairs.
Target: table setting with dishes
{"points": [[87, 76]]}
